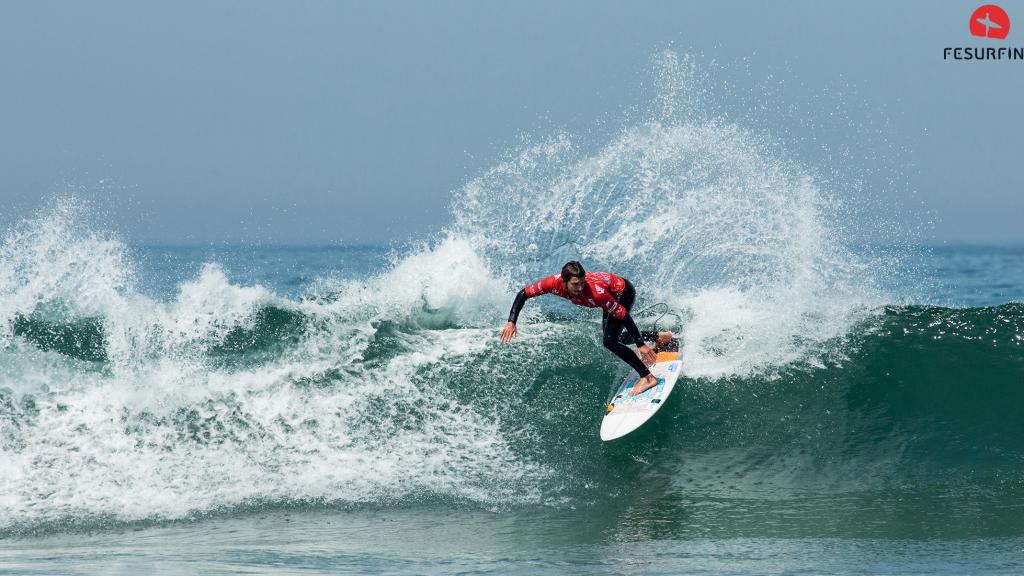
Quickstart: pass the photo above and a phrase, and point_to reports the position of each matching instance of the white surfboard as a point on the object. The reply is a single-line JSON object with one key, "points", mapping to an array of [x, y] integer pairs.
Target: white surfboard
{"points": [[626, 413]]}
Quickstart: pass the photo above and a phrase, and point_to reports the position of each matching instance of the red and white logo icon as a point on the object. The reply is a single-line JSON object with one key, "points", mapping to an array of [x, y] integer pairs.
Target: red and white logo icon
{"points": [[990, 21]]}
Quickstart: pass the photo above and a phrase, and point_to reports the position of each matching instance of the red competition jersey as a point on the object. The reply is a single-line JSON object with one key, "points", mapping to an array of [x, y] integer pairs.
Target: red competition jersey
{"points": [[600, 290]]}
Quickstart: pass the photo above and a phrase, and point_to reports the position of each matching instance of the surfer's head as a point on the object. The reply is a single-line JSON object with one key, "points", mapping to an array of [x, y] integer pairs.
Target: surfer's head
{"points": [[573, 276]]}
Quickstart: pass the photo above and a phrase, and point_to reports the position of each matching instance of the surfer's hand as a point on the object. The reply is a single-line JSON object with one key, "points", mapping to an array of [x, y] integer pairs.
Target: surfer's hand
{"points": [[647, 354], [508, 332]]}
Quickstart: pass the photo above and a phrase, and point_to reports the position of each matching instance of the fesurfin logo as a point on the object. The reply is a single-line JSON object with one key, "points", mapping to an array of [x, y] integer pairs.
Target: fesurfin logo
{"points": [[991, 23]]}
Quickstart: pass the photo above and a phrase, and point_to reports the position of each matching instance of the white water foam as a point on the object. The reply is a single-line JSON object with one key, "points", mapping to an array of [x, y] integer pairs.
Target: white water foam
{"points": [[161, 430], [699, 213]]}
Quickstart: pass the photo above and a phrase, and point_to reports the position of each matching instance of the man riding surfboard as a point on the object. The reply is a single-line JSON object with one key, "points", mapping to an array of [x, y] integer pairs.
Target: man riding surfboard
{"points": [[613, 295]]}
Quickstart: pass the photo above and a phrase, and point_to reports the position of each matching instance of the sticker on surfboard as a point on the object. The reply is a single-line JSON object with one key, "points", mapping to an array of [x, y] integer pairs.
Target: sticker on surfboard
{"points": [[625, 413]]}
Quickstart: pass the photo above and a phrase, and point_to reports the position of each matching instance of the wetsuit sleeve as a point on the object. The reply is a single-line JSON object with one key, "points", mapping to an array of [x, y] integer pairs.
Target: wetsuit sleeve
{"points": [[544, 286], [517, 306], [634, 332]]}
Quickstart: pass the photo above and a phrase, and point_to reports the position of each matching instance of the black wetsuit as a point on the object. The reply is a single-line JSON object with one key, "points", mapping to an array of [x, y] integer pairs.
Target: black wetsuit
{"points": [[615, 340]]}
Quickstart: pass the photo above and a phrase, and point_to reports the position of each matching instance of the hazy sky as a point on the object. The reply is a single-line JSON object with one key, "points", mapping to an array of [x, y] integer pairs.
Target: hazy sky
{"points": [[352, 122]]}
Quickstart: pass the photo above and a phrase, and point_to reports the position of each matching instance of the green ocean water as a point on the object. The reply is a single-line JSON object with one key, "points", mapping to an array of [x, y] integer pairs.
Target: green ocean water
{"points": [[895, 452]]}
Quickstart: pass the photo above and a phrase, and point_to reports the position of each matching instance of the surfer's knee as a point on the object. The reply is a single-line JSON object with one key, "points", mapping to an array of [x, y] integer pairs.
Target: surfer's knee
{"points": [[609, 341]]}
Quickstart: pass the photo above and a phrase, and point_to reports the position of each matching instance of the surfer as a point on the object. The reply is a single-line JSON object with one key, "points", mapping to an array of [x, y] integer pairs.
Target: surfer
{"points": [[614, 296]]}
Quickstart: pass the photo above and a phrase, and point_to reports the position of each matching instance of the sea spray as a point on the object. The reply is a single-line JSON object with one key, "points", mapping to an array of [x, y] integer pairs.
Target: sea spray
{"points": [[699, 213]]}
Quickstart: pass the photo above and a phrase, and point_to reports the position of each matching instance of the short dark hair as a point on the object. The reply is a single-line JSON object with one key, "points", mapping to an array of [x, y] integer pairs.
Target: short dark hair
{"points": [[572, 269]]}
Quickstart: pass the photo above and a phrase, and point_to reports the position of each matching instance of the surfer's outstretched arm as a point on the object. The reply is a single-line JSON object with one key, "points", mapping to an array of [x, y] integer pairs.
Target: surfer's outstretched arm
{"points": [[509, 331], [549, 284], [517, 306]]}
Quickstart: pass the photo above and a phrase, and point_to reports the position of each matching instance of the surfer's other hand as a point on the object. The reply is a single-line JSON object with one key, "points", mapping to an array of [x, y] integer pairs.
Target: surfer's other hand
{"points": [[508, 332], [647, 354]]}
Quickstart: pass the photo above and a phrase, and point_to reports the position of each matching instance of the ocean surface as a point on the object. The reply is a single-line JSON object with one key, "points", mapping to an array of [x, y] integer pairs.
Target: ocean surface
{"points": [[845, 407], [349, 409]]}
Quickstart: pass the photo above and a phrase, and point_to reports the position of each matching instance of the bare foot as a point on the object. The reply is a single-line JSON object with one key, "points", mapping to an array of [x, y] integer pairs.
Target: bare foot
{"points": [[644, 384]]}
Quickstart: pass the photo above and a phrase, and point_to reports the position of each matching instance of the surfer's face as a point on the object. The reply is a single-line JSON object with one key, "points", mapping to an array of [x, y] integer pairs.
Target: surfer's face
{"points": [[574, 286]]}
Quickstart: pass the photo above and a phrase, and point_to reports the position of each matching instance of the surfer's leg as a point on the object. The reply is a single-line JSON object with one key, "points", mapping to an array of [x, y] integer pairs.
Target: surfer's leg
{"points": [[626, 301], [612, 330], [613, 341]]}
